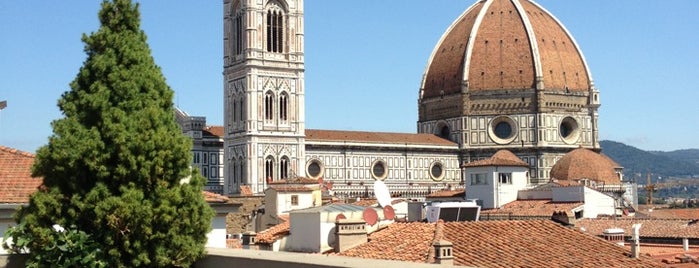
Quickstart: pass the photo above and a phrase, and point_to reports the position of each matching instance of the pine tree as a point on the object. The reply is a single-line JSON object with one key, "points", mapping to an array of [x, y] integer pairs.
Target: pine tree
{"points": [[116, 168]]}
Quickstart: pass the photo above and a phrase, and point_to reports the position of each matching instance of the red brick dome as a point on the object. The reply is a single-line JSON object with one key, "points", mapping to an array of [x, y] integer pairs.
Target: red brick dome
{"points": [[505, 44], [582, 163]]}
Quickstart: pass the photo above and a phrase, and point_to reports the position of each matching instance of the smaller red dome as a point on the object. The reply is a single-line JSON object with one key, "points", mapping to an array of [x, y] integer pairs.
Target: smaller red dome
{"points": [[582, 163]]}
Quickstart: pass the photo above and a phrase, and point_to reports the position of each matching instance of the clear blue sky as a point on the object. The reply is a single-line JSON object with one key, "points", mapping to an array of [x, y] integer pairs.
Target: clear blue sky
{"points": [[364, 62]]}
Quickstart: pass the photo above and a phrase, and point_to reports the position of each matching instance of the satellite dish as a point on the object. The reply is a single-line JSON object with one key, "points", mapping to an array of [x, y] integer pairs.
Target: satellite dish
{"points": [[340, 217], [382, 194], [389, 213], [370, 216]]}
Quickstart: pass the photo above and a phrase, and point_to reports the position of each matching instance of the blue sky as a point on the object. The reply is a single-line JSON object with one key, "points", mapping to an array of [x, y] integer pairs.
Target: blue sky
{"points": [[364, 62]]}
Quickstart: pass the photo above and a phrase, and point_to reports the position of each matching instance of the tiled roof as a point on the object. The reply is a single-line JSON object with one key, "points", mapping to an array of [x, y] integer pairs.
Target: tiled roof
{"points": [[245, 190], [214, 197], [534, 208], [583, 163], [376, 137], [499, 29], [674, 213], [399, 241], [540, 243], [290, 188], [447, 193], [16, 182], [649, 227], [214, 131], [500, 158], [297, 180], [274, 233], [366, 203]]}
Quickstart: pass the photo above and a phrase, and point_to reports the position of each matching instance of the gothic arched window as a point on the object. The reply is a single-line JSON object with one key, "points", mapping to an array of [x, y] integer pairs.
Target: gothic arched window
{"points": [[284, 168], [269, 105], [237, 34], [269, 168], [283, 106], [241, 170], [275, 29]]}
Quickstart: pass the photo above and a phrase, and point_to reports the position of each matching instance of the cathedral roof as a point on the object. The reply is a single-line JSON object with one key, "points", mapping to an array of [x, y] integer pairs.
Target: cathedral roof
{"points": [[315, 135], [582, 164], [505, 44]]}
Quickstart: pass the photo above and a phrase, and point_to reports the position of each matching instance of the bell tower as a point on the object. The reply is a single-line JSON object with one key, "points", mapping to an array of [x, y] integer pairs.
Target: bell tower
{"points": [[263, 70]]}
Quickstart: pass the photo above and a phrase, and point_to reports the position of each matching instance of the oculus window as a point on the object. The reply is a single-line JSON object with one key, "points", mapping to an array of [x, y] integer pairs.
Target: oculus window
{"points": [[502, 130], [379, 171]]}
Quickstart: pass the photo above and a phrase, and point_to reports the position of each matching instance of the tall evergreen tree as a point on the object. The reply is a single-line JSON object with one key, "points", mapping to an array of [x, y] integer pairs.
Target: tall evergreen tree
{"points": [[117, 165]]}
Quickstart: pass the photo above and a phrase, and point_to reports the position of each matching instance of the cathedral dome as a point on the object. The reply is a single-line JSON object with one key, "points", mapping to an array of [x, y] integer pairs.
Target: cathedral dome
{"points": [[585, 164], [505, 45]]}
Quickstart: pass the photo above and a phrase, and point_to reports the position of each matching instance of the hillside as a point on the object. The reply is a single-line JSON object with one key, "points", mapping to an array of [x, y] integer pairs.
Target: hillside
{"points": [[682, 163]]}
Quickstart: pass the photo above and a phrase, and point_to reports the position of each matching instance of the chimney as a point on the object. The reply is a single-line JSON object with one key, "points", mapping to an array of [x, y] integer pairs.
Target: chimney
{"points": [[614, 235], [349, 233], [635, 242], [443, 254], [250, 240]]}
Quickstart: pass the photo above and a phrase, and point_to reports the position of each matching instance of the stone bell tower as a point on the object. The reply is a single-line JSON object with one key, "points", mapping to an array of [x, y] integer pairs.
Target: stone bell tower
{"points": [[263, 69]]}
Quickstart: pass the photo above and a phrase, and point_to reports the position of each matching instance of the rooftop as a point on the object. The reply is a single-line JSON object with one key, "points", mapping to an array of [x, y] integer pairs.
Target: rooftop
{"points": [[543, 208], [540, 243], [16, 182]]}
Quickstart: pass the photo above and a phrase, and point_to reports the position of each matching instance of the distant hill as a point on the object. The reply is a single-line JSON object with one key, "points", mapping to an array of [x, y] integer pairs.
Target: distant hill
{"points": [[689, 155], [681, 163]]}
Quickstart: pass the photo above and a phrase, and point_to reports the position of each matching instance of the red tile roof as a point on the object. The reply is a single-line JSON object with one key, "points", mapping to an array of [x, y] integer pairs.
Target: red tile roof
{"points": [[214, 197], [290, 188], [543, 208], [214, 131], [675, 213], [297, 180], [500, 158], [540, 243], [584, 163], [16, 182], [274, 233], [649, 227], [375, 137], [447, 193]]}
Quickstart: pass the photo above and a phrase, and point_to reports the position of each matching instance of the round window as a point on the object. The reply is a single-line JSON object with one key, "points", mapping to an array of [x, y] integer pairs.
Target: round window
{"points": [[502, 130], [569, 130], [437, 171], [314, 168], [379, 170]]}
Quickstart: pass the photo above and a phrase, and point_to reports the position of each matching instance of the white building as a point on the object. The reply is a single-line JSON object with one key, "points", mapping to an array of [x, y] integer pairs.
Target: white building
{"points": [[496, 181], [207, 149]]}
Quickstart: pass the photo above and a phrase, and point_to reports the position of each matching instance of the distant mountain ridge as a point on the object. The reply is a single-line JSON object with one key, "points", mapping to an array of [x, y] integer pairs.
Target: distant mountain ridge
{"points": [[679, 163]]}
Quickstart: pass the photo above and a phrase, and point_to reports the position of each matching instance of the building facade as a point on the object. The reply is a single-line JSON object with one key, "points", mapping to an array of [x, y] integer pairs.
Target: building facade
{"points": [[207, 149], [505, 75]]}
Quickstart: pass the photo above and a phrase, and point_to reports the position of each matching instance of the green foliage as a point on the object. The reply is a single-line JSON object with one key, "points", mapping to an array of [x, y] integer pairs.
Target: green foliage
{"points": [[113, 167], [639, 162]]}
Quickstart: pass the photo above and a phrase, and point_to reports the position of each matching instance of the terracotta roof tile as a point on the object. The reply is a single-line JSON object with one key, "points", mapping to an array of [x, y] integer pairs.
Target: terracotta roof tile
{"points": [[541, 208], [583, 163], [664, 228], [298, 180], [376, 137], [676, 213], [290, 188], [214, 197], [500, 158], [366, 203], [540, 243], [216, 131], [16, 182], [447, 193], [274, 233]]}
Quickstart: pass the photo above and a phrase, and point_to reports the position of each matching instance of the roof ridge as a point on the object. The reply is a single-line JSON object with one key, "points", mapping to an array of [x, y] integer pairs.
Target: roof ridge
{"points": [[438, 236], [15, 151]]}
